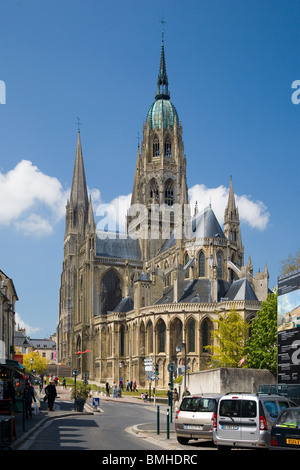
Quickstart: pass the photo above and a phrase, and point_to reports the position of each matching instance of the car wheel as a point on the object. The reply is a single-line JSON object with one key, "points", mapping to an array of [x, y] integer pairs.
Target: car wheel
{"points": [[182, 440]]}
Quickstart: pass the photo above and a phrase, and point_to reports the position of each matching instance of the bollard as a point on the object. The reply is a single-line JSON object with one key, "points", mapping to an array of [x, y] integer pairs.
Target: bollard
{"points": [[168, 424], [158, 420]]}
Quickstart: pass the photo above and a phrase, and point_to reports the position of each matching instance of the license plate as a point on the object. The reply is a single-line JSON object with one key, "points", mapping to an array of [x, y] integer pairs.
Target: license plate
{"points": [[193, 426], [295, 442], [230, 426]]}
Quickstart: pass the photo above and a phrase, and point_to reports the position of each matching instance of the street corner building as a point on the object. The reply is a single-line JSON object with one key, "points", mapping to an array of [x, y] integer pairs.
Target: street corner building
{"points": [[155, 290]]}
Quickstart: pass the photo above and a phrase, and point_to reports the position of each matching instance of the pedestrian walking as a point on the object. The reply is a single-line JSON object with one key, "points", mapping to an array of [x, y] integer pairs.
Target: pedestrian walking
{"points": [[64, 383], [51, 394], [28, 398], [175, 400], [186, 392], [107, 389]]}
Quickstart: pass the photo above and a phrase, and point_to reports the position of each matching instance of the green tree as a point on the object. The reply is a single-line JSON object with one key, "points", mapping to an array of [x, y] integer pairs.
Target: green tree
{"points": [[39, 363], [230, 338], [261, 347]]}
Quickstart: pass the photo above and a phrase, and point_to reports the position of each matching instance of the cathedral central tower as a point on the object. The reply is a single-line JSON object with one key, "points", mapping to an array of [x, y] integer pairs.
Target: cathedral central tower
{"points": [[160, 176]]}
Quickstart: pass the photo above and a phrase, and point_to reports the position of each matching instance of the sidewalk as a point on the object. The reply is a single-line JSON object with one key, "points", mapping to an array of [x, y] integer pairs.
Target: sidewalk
{"points": [[64, 407]]}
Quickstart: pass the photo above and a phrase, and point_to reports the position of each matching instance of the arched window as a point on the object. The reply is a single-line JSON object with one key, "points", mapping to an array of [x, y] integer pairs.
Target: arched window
{"points": [[153, 190], [111, 291], [191, 336], [206, 334], [161, 331], [155, 147], [168, 148], [220, 265], [169, 192], [201, 261]]}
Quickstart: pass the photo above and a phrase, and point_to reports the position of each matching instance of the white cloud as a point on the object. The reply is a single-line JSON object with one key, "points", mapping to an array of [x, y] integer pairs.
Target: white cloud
{"points": [[253, 213], [30, 330], [34, 202], [31, 200]]}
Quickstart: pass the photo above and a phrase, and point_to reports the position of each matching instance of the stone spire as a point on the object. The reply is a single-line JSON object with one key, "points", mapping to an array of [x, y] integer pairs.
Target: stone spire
{"points": [[79, 195], [162, 80]]}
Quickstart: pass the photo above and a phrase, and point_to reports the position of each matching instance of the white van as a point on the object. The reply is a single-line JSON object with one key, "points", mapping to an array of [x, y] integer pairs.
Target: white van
{"points": [[245, 420]]}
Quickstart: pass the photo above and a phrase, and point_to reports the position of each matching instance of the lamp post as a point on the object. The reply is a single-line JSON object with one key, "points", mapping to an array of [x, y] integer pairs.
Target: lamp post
{"points": [[178, 349]]}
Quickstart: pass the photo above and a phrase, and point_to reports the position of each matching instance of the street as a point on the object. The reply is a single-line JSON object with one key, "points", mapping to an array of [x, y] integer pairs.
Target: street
{"points": [[109, 430]]}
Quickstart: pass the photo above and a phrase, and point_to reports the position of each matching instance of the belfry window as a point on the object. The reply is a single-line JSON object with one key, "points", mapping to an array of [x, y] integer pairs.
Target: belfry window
{"points": [[155, 147], [168, 148], [169, 193], [153, 190]]}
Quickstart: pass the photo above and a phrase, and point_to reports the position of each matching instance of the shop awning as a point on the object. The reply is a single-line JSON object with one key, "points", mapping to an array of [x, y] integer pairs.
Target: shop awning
{"points": [[13, 365]]}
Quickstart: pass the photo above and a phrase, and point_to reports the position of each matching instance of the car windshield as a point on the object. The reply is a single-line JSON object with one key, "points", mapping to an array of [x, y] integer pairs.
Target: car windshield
{"points": [[290, 418], [199, 404]]}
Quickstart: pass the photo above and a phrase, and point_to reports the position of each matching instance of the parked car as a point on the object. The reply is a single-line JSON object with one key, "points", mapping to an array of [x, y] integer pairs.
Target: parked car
{"points": [[285, 433], [246, 420], [194, 419]]}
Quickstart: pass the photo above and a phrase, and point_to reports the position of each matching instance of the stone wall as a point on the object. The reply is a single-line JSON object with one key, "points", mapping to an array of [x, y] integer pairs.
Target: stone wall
{"points": [[225, 380]]}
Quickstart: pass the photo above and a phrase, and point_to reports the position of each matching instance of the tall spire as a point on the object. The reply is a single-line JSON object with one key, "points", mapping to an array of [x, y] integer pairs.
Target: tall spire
{"points": [[79, 195], [162, 91]]}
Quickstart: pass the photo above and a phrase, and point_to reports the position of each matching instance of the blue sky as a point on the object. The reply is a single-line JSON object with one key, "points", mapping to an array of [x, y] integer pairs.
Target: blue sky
{"points": [[231, 65]]}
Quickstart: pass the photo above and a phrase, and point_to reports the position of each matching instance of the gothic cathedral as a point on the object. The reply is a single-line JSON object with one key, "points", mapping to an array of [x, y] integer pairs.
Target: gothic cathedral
{"points": [[154, 291]]}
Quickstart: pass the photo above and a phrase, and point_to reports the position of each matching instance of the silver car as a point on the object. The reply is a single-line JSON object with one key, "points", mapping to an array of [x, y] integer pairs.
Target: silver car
{"points": [[245, 420], [194, 419]]}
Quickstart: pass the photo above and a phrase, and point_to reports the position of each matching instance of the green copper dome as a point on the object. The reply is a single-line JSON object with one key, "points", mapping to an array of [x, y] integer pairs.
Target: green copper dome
{"points": [[162, 110]]}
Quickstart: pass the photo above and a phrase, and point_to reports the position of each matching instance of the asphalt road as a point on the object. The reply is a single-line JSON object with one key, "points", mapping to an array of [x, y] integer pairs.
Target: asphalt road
{"points": [[104, 431]]}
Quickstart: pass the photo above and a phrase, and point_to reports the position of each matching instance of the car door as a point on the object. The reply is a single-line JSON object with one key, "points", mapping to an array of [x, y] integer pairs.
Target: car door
{"points": [[249, 423], [229, 419]]}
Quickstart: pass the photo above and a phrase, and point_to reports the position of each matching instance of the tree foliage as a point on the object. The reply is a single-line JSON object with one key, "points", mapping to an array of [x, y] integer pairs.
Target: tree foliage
{"points": [[39, 364], [230, 338], [261, 347]]}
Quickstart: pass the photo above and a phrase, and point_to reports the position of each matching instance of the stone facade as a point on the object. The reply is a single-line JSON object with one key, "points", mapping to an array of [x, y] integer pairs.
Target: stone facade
{"points": [[154, 291]]}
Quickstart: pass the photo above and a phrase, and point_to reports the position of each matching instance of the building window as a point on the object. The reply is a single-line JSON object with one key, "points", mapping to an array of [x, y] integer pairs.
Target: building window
{"points": [[168, 148], [122, 340], [206, 334], [169, 193], [153, 190], [161, 329], [111, 292], [201, 264], [191, 336], [186, 260], [220, 265], [155, 147]]}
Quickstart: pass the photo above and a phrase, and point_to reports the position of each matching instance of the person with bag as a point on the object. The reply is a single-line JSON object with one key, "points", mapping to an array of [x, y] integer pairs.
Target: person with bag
{"points": [[28, 397], [50, 392]]}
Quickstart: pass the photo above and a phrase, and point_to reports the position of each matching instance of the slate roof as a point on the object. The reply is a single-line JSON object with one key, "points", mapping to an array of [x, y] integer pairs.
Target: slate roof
{"points": [[121, 246], [199, 290]]}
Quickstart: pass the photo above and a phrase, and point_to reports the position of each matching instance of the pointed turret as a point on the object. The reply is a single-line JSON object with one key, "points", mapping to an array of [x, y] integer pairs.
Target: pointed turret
{"points": [[78, 207], [79, 195], [232, 219]]}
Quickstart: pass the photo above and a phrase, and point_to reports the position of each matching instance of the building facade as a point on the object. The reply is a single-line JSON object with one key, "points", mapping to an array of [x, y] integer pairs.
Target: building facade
{"points": [[154, 291], [8, 298]]}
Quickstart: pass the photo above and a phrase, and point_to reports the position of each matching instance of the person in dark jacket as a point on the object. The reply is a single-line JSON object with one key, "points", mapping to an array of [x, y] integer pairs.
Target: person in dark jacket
{"points": [[29, 398], [50, 392]]}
